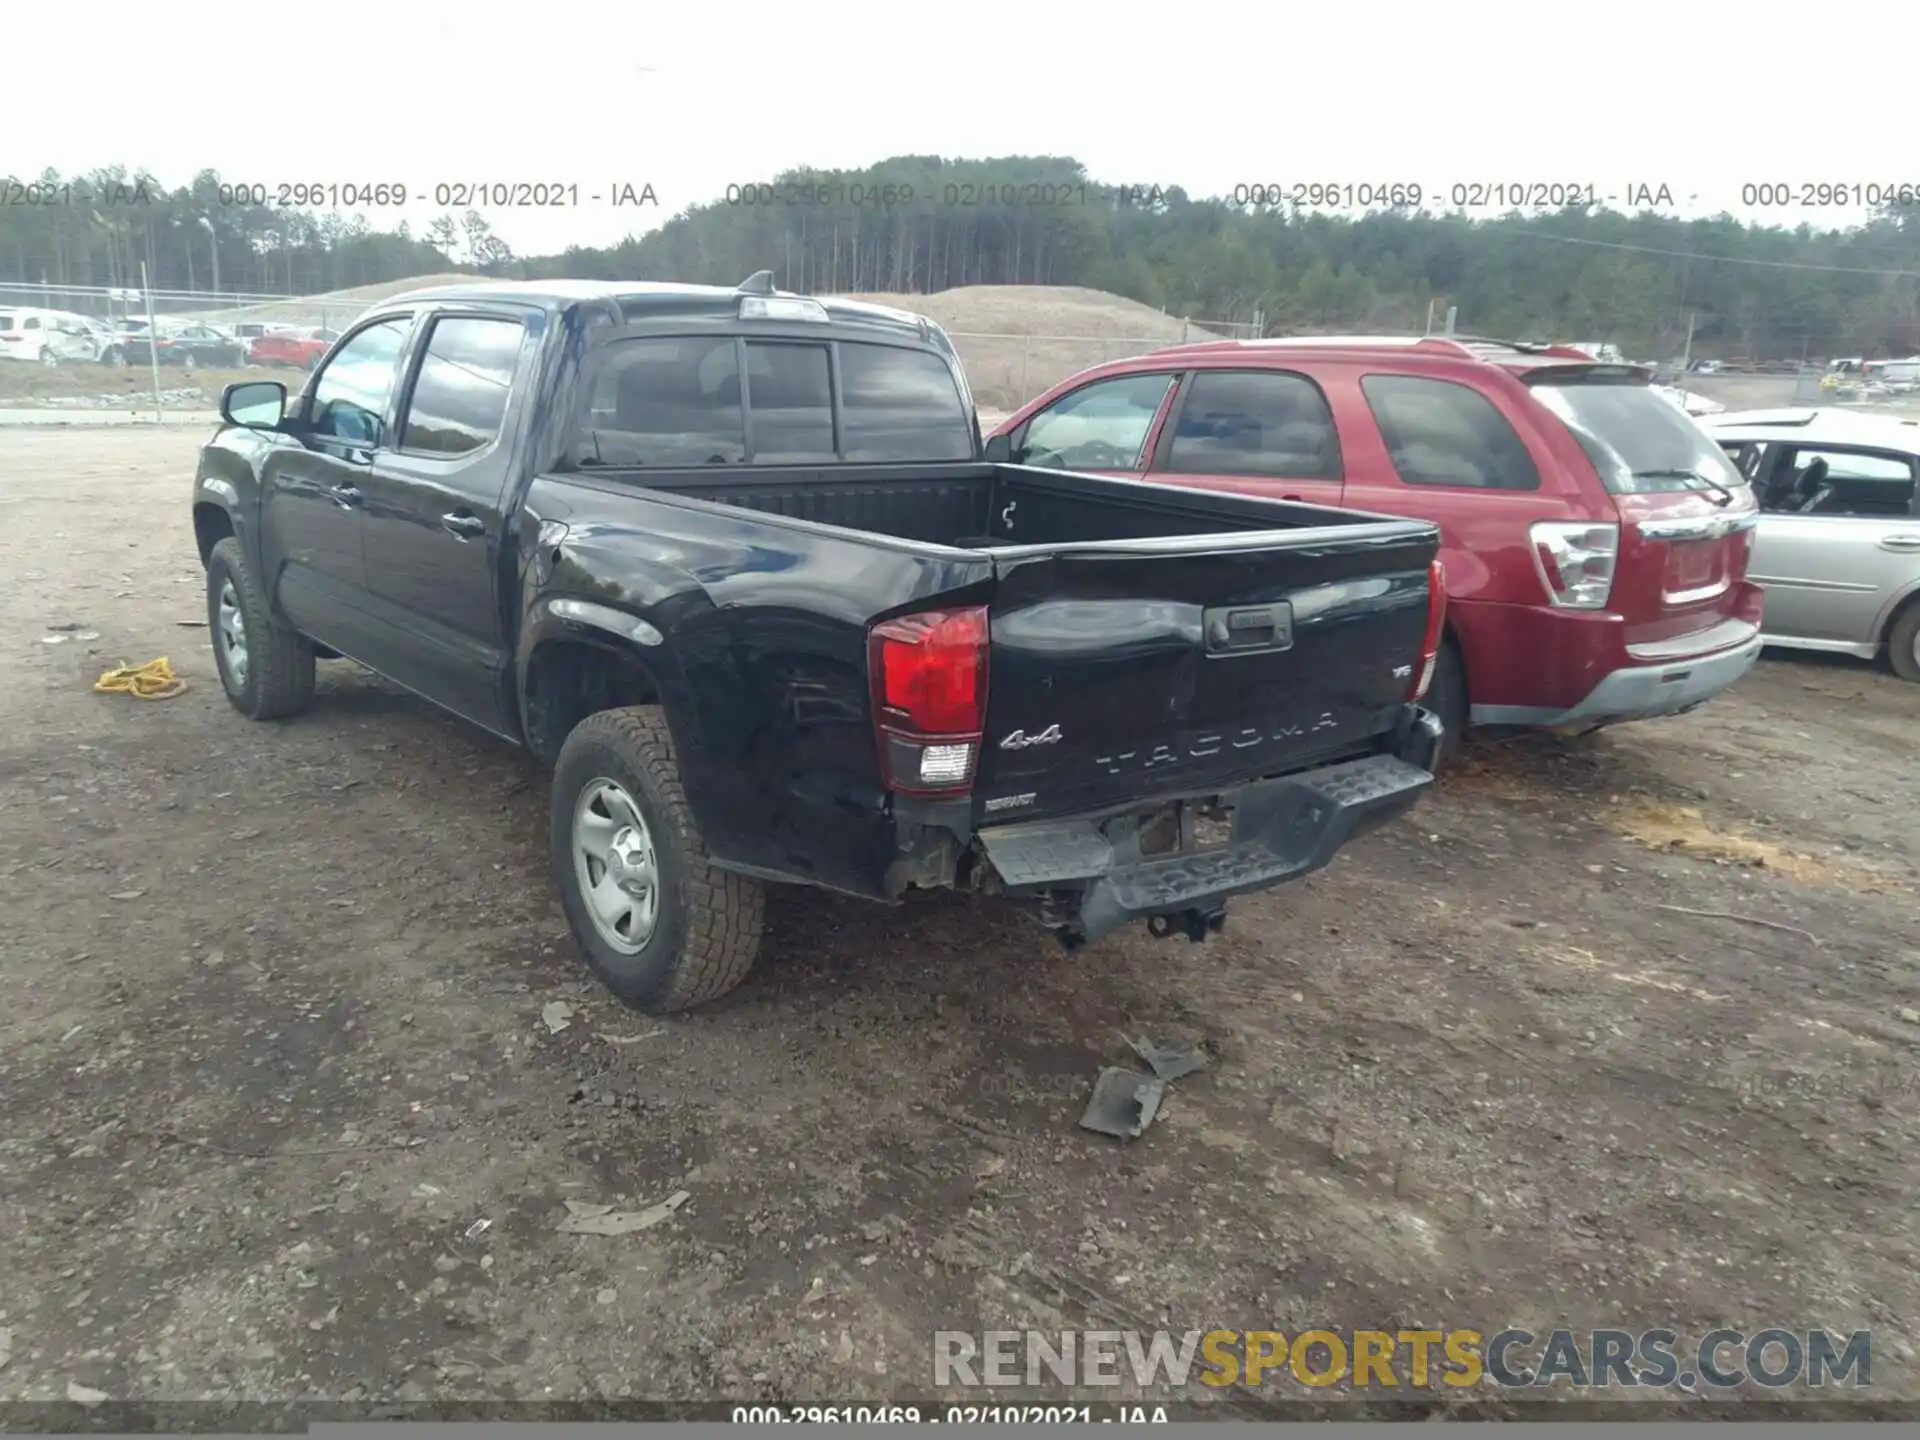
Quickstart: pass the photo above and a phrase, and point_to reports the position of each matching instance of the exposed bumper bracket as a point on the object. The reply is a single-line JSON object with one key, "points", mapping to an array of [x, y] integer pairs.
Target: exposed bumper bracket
{"points": [[1282, 829]]}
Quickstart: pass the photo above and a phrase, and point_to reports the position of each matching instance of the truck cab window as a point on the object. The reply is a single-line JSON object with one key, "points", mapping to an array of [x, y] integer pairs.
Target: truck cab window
{"points": [[460, 395], [901, 406], [790, 402], [664, 402], [351, 394]]}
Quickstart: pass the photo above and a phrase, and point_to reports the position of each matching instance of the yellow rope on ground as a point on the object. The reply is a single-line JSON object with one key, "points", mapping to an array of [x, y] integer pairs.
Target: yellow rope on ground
{"points": [[154, 680]]}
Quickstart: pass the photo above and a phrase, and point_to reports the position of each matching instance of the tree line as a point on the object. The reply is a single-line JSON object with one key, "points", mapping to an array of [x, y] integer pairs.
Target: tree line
{"points": [[918, 224]]}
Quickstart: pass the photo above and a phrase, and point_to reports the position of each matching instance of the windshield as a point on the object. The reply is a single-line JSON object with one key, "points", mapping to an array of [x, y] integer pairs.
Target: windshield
{"points": [[1638, 442]]}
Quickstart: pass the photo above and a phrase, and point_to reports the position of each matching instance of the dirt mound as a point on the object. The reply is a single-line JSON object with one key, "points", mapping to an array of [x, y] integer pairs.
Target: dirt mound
{"points": [[1017, 340]]}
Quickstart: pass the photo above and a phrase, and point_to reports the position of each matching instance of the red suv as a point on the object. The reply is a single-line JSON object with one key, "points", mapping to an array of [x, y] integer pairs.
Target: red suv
{"points": [[1595, 539]]}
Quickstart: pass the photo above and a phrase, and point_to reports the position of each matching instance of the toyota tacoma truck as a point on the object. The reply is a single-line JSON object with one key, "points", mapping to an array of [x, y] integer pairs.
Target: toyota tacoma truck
{"points": [[732, 564]]}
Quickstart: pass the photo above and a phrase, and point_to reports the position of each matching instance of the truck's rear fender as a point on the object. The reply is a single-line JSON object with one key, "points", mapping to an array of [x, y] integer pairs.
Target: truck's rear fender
{"points": [[760, 659]]}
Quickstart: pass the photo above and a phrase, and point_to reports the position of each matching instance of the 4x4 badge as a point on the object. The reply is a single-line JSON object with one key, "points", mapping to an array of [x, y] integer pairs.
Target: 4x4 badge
{"points": [[1020, 740]]}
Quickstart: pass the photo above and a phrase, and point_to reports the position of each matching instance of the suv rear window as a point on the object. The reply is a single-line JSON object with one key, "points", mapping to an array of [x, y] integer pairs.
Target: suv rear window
{"points": [[1638, 442]]}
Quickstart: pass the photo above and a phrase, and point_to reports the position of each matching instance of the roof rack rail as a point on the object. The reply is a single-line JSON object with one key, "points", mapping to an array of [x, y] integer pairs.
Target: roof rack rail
{"points": [[760, 282]]}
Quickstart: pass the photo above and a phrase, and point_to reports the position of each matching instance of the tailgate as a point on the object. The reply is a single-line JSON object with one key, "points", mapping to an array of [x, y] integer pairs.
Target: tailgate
{"points": [[1134, 670], [1686, 514], [1682, 561]]}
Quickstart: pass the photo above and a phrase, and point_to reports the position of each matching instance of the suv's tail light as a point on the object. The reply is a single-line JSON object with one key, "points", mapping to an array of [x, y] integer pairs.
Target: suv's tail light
{"points": [[929, 678], [1436, 626], [1575, 559]]}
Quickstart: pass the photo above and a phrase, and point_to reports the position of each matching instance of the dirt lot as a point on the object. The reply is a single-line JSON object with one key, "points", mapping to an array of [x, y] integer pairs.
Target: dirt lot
{"points": [[77, 389], [273, 1049]]}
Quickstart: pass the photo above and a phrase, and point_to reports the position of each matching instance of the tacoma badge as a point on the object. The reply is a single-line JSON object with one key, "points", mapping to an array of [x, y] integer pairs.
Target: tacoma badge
{"points": [[1020, 740]]}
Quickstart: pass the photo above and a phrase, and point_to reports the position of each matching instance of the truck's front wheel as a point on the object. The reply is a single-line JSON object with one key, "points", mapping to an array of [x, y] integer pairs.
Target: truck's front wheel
{"points": [[657, 922], [265, 668]]}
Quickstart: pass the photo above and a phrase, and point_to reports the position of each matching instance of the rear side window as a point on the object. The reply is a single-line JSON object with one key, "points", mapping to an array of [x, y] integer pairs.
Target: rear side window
{"points": [[460, 395], [1638, 442], [901, 406], [6, 322], [1255, 423], [1442, 433], [1863, 484], [790, 403], [666, 402]]}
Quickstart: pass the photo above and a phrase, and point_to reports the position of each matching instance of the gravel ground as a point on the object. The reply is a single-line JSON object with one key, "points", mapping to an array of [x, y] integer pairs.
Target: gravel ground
{"points": [[283, 1117]]}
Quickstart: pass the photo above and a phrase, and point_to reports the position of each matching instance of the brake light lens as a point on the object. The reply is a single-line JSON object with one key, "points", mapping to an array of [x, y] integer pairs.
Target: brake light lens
{"points": [[781, 307], [1576, 561], [1436, 626], [929, 679]]}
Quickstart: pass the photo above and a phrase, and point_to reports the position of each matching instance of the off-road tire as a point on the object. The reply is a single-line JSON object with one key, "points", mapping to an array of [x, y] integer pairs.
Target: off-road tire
{"points": [[280, 662], [1901, 642], [708, 932], [1447, 697]]}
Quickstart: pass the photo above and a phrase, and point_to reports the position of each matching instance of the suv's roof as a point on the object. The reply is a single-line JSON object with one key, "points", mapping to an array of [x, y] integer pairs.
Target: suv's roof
{"points": [[1510, 355], [636, 298], [1815, 425]]}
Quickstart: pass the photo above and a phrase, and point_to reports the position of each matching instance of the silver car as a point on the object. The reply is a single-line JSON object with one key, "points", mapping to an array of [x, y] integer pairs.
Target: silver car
{"points": [[1837, 547]]}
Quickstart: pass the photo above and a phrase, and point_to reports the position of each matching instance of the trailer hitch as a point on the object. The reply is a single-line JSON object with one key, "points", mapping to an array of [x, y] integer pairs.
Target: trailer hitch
{"points": [[1196, 924]]}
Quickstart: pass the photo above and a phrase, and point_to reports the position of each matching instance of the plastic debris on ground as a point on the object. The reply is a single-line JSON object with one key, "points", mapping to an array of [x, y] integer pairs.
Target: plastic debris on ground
{"points": [[584, 1219], [1124, 1103], [1169, 1062]]}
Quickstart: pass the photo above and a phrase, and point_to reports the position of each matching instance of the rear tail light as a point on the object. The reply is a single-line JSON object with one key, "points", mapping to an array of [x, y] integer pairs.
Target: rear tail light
{"points": [[1576, 561], [1436, 626], [929, 678]]}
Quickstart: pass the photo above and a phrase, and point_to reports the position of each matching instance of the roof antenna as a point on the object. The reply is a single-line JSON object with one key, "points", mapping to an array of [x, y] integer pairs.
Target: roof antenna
{"points": [[760, 282]]}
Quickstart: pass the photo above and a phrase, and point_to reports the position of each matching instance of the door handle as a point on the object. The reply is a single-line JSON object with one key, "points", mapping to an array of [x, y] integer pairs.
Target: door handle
{"points": [[462, 524], [1901, 544], [345, 496]]}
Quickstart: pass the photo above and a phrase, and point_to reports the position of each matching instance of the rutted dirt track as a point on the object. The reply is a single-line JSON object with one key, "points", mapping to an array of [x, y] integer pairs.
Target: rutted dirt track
{"points": [[1474, 1074]]}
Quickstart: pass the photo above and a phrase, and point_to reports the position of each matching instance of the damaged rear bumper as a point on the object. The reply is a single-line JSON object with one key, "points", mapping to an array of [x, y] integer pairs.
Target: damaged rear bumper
{"points": [[1093, 878]]}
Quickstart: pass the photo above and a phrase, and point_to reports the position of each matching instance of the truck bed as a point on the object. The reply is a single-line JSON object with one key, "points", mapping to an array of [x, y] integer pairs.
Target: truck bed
{"points": [[983, 506]]}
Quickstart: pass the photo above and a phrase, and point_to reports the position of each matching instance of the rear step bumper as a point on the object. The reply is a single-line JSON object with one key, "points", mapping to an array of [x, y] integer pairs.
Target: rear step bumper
{"points": [[1282, 829]]}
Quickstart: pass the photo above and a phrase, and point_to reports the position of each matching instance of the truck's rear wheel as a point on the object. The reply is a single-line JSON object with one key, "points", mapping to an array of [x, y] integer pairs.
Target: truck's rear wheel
{"points": [[265, 668], [660, 926], [1447, 697]]}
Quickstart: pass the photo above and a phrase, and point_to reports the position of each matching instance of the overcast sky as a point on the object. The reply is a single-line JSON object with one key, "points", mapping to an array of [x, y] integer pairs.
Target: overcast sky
{"points": [[1204, 95]]}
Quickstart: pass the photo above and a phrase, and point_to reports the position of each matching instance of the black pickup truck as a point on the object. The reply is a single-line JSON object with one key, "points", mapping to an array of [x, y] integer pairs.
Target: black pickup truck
{"points": [[731, 562]]}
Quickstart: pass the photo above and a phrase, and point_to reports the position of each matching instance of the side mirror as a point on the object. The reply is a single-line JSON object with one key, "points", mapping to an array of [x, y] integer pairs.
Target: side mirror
{"points": [[999, 450], [257, 404]]}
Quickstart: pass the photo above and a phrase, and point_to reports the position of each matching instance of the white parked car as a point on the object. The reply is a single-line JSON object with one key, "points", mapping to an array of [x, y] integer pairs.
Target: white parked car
{"points": [[54, 337], [1837, 545]]}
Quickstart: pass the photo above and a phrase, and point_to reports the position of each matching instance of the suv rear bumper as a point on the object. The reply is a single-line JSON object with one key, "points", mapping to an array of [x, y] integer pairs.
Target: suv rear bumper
{"points": [[1642, 691], [1282, 829]]}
